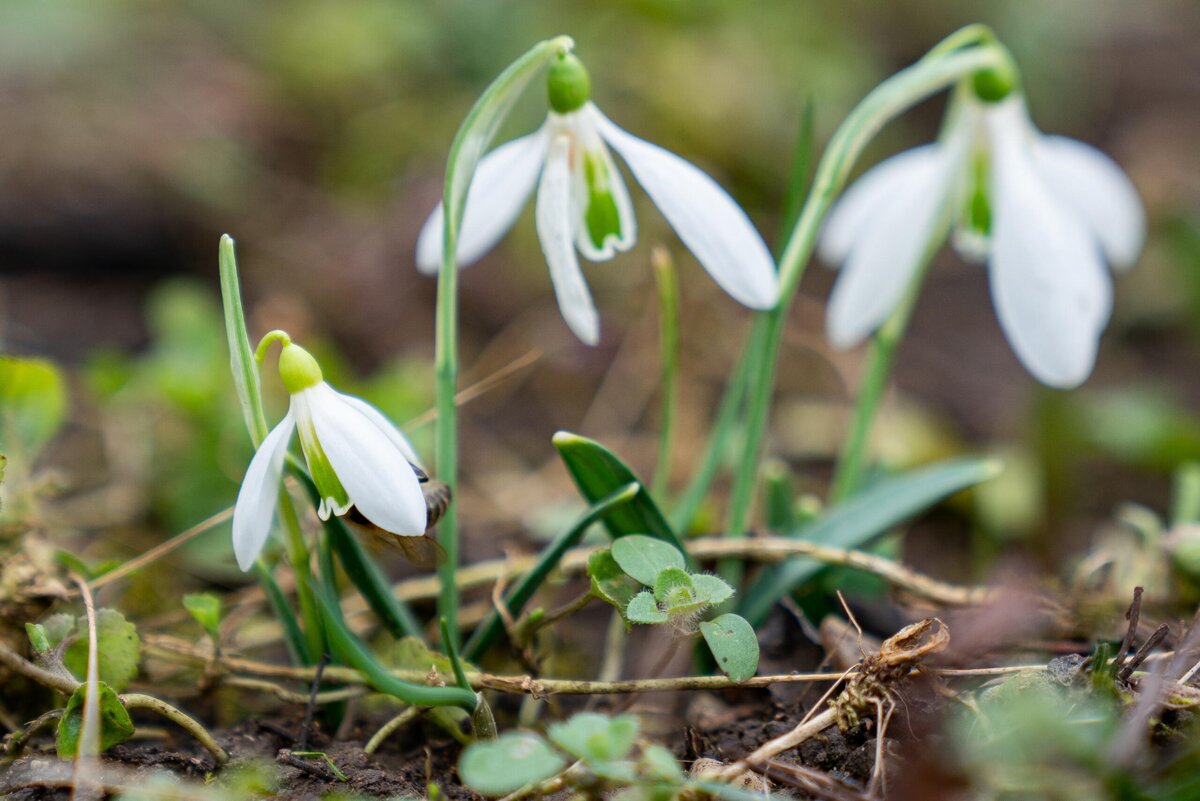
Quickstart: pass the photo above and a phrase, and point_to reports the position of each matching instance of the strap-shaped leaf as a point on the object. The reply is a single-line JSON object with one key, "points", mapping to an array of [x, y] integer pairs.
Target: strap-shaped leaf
{"points": [[597, 472], [867, 515]]}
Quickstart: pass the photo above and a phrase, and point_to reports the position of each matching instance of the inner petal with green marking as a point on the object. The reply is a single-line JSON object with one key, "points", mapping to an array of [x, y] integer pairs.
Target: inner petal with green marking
{"points": [[334, 498], [601, 216]]}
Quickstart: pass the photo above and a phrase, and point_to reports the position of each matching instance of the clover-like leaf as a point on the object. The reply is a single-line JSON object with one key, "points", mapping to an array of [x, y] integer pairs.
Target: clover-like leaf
{"points": [[659, 764], [644, 609], [595, 738], [711, 589], [676, 594], [733, 644], [115, 725], [514, 760], [118, 646], [609, 582], [206, 609], [643, 557]]}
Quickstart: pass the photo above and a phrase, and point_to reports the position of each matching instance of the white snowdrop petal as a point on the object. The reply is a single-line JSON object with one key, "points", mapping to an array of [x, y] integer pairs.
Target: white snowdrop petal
{"points": [[386, 427], [888, 250], [856, 209], [1052, 292], [375, 473], [259, 494], [710, 223], [1092, 184], [555, 223], [502, 183]]}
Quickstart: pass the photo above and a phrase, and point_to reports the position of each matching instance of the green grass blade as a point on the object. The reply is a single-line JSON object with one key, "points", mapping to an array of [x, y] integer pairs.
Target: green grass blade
{"points": [[867, 515], [487, 632], [598, 472], [293, 637]]}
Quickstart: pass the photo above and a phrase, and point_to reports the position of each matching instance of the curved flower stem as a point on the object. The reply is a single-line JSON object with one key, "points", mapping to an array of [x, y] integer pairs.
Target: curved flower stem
{"points": [[847, 474], [886, 101]]}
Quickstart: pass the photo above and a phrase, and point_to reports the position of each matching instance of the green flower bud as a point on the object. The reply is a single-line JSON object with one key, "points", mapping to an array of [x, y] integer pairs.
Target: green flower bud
{"points": [[992, 86], [298, 369], [568, 84]]}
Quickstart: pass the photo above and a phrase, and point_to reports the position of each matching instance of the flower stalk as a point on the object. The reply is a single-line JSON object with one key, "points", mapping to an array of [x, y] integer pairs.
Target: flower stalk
{"points": [[885, 102]]}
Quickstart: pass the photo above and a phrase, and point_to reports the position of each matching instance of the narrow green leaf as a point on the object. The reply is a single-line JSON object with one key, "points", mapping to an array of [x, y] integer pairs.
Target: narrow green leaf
{"points": [[205, 608], [514, 760], [597, 472], [348, 648], [644, 609], [241, 354], [733, 644], [643, 557], [33, 404], [524, 589], [368, 579], [115, 725], [294, 639], [609, 582], [867, 515]]}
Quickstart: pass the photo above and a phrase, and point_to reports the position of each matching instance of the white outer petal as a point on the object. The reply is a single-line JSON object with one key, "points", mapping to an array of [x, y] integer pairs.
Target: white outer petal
{"points": [[502, 183], [1092, 184], [386, 426], [889, 247], [259, 495], [1052, 292], [375, 473], [854, 212], [555, 216], [706, 218]]}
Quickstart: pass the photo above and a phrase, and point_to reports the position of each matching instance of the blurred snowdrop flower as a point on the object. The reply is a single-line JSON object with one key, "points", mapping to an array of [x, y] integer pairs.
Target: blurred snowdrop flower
{"points": [[582, 204], [1045, 211], [355, 455]]}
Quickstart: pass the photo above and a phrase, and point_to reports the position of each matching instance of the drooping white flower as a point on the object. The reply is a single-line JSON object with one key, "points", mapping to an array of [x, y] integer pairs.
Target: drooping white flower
{"points": [[1047, 212], [355, 455], [582, 205]]}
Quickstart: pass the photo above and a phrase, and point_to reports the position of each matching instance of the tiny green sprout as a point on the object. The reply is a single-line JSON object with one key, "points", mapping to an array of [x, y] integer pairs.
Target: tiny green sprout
{"points": [[37, 638], [205, 608], [567, 83]]}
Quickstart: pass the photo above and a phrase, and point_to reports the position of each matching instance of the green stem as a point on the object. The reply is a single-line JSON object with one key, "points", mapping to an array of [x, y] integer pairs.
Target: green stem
{"points": [[886, 101], [847, 475], [300, 558], [668, 307]]}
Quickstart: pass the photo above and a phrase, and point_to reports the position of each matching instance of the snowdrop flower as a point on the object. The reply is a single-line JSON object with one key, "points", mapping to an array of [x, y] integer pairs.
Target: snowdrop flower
{"points": [[1045, 211], [582, 204], [355, 455]]}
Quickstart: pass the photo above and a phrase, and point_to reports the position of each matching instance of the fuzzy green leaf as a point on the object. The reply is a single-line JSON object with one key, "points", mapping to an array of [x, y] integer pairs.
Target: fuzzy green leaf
{"points": [[644, 609], [115, 725], [643, 558], [609, 582], [118, 645], [674, 582], [733, 644], [498, 767], [712, 590], [594, 737]]}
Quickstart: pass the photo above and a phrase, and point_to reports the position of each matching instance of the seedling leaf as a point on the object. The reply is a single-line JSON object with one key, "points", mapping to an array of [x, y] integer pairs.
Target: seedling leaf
{"points": [[643, 557], [595, 738], [118, 644], [206, 609], [609, 582], [514, 760], [644, 609], [712, 590], [115, 725], [733, 644]]}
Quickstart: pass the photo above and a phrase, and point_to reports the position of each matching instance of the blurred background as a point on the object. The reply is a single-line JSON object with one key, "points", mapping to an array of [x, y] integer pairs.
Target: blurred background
{"points": [[133, 135]]}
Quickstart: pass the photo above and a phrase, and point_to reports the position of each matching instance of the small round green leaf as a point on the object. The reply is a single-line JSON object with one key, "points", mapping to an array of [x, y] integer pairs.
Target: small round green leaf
{"points": [[206, 609], [609, 582], [512, 761], [711, 589], [673, 582], [733, 644], [644, 609], [115, 725], [119, 649], [594, 737], [644, 557], [659, 763]]}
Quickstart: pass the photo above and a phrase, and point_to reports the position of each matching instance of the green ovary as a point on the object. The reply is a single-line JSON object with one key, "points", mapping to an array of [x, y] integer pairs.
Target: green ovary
{"points": [[602, 218]]}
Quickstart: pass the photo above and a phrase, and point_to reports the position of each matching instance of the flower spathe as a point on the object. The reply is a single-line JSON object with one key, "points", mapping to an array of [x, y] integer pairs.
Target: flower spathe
{"points": [[583, 207], [1046, 212], [355, 455]]}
